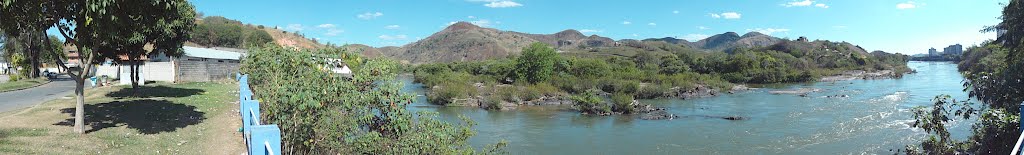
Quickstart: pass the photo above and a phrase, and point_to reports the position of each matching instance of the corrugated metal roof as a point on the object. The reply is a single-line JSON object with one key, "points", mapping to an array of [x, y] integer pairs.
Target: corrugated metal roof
{"points": [[211, 53]]}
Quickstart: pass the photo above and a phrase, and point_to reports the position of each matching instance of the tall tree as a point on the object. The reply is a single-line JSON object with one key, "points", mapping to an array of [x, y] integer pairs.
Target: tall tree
{"points": [[536, 64], [99, 29]]}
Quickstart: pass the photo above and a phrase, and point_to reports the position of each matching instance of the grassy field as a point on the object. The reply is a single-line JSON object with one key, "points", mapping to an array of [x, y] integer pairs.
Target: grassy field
{"points": [[191, 118], [21, 84]]}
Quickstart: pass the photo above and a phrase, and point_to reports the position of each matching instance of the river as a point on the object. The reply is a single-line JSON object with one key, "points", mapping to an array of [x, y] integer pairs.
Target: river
{"points": [[874, 119]]}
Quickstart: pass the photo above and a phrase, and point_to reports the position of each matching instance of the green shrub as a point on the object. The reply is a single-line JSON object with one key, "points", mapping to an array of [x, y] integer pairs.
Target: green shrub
{"points": [[652, 91], [623, 103], [492, 103], [507, 93], [447, 92], [590, 103]]}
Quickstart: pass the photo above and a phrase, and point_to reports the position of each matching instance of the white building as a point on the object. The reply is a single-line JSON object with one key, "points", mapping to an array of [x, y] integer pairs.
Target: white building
{"points": [[932, 52]]}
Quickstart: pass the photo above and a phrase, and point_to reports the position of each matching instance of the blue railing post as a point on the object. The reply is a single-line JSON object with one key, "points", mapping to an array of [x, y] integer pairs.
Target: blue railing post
{"points": [[266, 139], [259, 139]]}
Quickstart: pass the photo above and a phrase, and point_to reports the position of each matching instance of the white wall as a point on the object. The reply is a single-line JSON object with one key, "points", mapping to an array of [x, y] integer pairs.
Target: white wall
{"points": [[110, 71], [159, 71]]}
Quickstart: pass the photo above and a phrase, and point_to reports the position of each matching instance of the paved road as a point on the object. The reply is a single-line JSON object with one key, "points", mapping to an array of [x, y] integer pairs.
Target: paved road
{"points": [[14, 100]]}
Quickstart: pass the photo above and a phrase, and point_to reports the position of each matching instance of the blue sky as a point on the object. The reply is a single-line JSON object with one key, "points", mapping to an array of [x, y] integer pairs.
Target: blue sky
{"points": [[908, 27]]}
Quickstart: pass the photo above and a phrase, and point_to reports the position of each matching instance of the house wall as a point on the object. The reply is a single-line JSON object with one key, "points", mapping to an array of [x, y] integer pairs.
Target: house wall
{"points": [[159, 71], [191, 69], [110, 71]]}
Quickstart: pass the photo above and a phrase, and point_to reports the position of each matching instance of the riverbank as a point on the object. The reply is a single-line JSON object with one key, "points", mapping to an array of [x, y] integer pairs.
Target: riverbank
{"points": [[190, 118]]}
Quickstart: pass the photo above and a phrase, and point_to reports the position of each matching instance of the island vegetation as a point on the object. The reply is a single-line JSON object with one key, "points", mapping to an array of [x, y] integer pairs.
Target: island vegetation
{"points": [[541, 75]]}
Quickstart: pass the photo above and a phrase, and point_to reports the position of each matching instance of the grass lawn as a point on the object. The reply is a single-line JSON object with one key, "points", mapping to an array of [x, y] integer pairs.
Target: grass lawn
{"points": [[21, 84], [161, 118]]}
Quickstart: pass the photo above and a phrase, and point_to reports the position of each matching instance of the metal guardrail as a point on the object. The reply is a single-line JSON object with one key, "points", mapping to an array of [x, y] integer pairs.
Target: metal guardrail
{"points": [[259, 139]]}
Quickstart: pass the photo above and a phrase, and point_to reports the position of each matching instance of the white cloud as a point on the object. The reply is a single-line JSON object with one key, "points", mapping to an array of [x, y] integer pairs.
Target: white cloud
{"points": [[326, 26], [481, 23], [393, 37], [906, 5], [294, 27], [652, 24], [804, 3], [726, 15], [334, 32], [626, 22], [392, 27], [471, 17], [695, 37], [590, 31], [839, 27], [634, 34], [768, 31], [702, 28], [675, 12], [502, 4], [369, 15], [799, 3]]}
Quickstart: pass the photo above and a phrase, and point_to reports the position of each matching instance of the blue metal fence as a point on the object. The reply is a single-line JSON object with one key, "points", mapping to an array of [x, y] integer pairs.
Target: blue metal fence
{"points": [[259, 139]]}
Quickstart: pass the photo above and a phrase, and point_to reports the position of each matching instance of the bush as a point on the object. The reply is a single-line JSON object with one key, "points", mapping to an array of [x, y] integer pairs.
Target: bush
{"points": [[623, 103], [322, 113], [448, 92], [492, 103], [652, 91], [590, 103], [619, 86]]}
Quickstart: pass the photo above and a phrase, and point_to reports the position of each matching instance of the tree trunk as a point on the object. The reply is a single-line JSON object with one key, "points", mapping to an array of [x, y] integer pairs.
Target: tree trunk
{"points": [[134, 66], [33, 54], [80, 105]]}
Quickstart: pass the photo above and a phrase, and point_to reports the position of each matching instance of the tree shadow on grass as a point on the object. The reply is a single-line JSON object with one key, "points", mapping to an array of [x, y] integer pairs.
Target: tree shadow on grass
{"points": [[146, 115], [154, 91]]}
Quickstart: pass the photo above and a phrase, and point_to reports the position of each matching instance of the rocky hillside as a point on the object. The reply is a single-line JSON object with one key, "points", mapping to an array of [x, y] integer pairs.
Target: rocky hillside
{"points": [[464, 41], [217, 31]]}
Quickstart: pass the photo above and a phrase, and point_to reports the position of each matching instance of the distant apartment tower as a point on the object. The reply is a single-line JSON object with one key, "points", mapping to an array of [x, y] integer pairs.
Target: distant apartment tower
{"points": [[932, 52], [953, 49]]}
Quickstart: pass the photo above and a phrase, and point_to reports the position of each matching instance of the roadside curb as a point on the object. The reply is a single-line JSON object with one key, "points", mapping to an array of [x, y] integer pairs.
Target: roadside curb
{"points": [[40, 84]]}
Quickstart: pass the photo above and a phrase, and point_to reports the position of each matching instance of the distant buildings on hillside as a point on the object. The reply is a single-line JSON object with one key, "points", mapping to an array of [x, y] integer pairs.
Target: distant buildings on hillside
{"points": [[953, 49], [956, 49]]}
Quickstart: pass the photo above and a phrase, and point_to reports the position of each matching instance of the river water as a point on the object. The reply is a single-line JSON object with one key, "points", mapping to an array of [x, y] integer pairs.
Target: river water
{"points": [[874, 119]]}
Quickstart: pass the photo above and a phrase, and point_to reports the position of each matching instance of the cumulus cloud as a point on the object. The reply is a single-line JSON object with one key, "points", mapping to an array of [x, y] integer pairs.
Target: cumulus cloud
{"points": [[702, 28], [652, 24], [768, 31], [695, 37], [906, 5], [392, 27], [626, 22], [498, 3], [334, 32], [590, 31], [804, 3], [675, 12], [799, 3], [393, 37], [369, 15], [326, 26], [294, 27], [726, 15]]}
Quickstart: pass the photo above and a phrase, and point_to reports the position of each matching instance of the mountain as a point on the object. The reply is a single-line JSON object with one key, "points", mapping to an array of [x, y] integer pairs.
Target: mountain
{"points": [[463, 41], [217, 31], [730, 40]]}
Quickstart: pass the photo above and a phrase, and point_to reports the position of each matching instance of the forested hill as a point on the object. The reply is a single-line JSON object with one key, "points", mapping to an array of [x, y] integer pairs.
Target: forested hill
{"points": [[217, 31]]}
